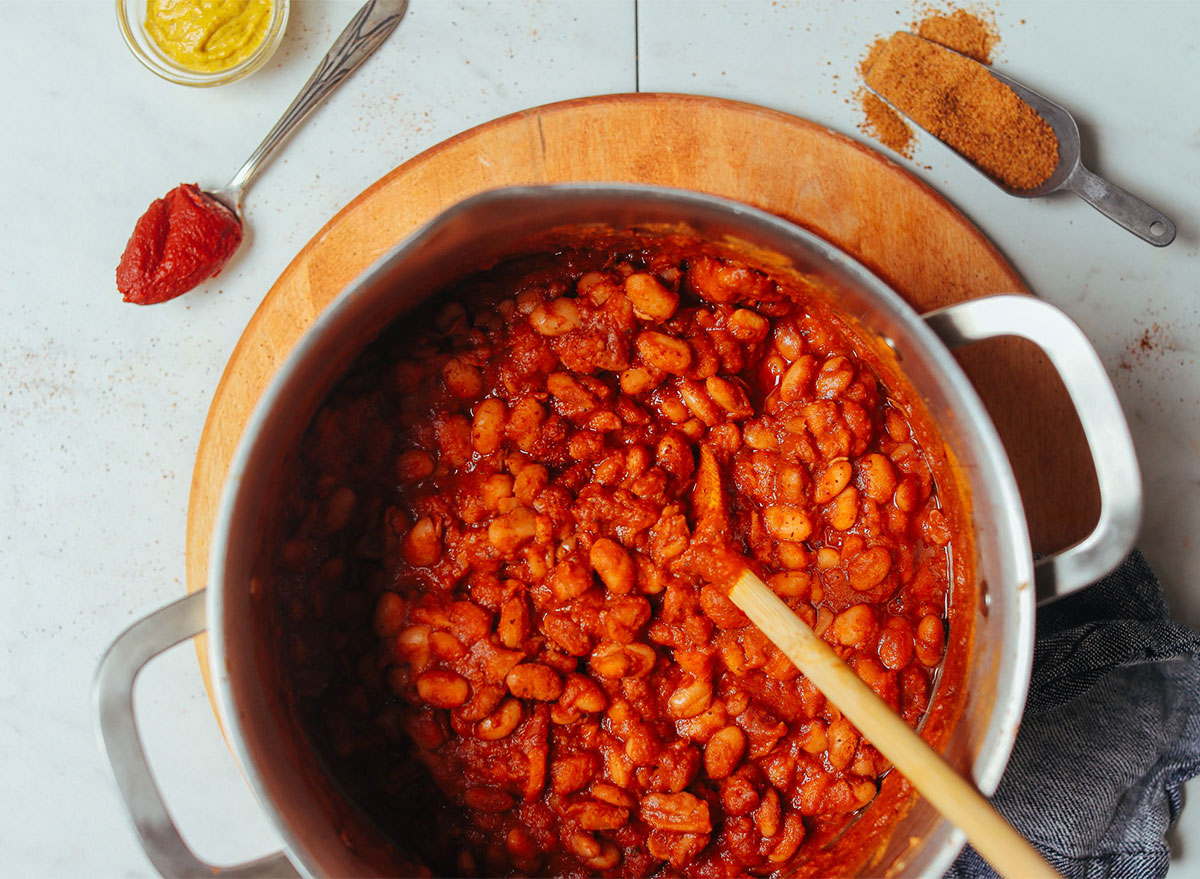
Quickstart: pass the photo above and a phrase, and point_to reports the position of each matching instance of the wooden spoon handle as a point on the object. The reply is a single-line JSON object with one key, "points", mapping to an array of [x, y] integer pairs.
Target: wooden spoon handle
{"points": [[947, 791]]}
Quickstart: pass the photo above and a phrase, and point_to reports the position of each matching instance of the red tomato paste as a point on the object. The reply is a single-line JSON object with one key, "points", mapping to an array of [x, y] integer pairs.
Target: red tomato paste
{"points": [[182, 240]]}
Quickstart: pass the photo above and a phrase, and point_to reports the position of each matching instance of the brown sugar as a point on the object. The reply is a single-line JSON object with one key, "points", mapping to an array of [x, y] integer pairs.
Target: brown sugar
{"points": [[970, 34], [957, 101], [885, 124]]}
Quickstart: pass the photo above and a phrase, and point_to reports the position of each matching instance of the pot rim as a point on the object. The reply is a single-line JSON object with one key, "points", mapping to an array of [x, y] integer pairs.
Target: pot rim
{"points": [[988, 765]]}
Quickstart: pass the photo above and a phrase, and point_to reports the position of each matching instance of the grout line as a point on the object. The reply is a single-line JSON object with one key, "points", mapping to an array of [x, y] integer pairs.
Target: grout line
{"points": [[637, 61]]}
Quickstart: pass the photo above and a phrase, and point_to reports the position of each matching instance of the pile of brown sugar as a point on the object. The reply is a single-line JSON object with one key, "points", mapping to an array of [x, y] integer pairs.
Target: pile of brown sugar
{"points": [[955, 99], [972, 34]]}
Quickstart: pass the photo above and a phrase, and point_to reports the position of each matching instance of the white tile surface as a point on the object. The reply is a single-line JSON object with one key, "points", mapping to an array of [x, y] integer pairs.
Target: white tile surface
{"points": [[102, 403]]}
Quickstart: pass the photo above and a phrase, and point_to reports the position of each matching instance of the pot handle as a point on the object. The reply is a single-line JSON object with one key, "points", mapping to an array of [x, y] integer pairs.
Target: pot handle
{"points": [[1104, 427], [113, 698]]}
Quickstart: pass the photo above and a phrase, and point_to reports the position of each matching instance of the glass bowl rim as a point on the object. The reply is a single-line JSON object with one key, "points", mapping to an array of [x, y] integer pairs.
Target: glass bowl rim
{"points": [[132, 28]]}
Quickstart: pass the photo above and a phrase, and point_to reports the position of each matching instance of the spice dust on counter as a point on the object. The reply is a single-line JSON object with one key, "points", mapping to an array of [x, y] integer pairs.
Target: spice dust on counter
{"points": [[959, 102]]}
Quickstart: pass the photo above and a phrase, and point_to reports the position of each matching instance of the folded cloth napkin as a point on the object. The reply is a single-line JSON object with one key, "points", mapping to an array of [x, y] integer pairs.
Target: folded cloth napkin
{"points": [[1111, 732]]}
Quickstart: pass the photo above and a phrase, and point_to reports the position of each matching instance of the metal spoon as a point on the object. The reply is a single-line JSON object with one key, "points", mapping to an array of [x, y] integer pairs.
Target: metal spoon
{"points": [[364, 34], [1121, 207]]}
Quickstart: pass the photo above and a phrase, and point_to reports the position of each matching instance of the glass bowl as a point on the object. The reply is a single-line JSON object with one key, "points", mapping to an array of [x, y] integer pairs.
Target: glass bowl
{"points": [[131, 16]]}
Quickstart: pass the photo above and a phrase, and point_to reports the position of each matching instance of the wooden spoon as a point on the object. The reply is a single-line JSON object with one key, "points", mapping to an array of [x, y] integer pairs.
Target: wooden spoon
{"points": [[953, 796]]}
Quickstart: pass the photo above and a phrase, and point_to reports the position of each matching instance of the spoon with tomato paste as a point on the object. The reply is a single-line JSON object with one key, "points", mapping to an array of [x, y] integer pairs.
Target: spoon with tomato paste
{"points": [[188, 235]]}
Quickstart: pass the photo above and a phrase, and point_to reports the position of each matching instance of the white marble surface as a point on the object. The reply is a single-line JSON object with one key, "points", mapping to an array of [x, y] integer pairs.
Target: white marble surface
{"points": [[102, 403]]}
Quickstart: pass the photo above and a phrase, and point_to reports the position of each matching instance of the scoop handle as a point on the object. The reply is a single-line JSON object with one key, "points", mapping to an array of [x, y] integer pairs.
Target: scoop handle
{"points": [[1123, 208]]}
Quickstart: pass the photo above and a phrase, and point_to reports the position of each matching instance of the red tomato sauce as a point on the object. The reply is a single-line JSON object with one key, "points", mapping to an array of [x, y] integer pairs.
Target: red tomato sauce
{"points": [[183, 239]]}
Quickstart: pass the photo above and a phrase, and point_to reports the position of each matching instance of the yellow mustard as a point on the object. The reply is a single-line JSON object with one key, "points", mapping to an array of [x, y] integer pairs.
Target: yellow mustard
{"points": [[208, 36]]}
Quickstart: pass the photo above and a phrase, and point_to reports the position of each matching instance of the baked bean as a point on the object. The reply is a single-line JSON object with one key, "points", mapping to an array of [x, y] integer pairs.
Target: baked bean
{"points": [[876, 477], [509, 531], [525, 423], [613, 661], [699, 403], [790, 483], [691, 698], [793, 556], [758, 436], [574, 397], [832, 481], [730, 396], [454, 440], [496, 490], [613, 566], [512, 626], [843, 739], [769, 813], [583, 694], [867, 569], [487, 426], [788, 523], [797, 379], [389, 615], [834, 377], [531, 680], [413, 465], [930, 640], [651, 300], [422, 545], [599, 816], [789, 840], [724, 751], [530, 481], [462, 379], [813, 738], [934, 528], [844, 511], [640, 379], [748, 326], [520, 845], [796, 584], [679, 812], [571, 772], [664, 352], [445, 646], [896, 643], [555, 317], [908, 494], [443, 689], [500, 723], [856, 627]]}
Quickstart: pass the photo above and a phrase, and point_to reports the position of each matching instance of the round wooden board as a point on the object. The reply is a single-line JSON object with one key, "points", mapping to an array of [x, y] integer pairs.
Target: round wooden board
{"points": [[850, 195]]}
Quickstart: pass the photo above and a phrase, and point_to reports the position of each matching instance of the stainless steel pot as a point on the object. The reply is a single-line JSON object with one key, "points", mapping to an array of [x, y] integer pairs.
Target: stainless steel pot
{"points": [[466, 236]]}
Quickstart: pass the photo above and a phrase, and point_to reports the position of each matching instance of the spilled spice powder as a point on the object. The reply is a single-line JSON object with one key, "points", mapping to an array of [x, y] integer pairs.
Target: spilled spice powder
{"points": [[957, 101]]}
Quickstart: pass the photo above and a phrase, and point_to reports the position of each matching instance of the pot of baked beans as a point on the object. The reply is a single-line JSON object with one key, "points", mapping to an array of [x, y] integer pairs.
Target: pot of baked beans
{"points": [[458, 622]]}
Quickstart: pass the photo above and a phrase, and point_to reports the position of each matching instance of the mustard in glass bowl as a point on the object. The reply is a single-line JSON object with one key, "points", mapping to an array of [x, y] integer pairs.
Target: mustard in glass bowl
{"points": [[202, 42]]}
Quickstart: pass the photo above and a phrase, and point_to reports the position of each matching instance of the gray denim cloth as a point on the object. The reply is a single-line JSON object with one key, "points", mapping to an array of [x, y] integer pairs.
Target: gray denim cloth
{"points": [[1111, 732]]}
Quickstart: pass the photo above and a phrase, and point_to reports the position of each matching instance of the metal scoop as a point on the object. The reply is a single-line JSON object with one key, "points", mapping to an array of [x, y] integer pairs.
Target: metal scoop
{"points": [[1121, 207]]}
